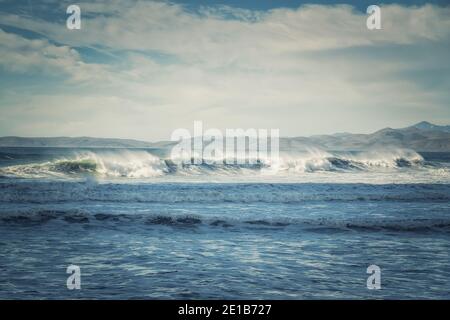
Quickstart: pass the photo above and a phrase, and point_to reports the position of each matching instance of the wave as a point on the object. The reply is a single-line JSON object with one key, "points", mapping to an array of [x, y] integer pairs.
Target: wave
{"points": [[314, 160], [37, 217], [143, 164], [123, 163], [33, 191]]}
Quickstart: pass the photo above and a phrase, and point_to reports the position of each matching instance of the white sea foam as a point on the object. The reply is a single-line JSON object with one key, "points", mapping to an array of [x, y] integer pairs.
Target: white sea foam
{"points": [[386, 165]]}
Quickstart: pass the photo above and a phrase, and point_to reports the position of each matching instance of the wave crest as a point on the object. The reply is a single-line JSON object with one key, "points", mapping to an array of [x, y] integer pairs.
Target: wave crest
{"points": [[143, 164]]}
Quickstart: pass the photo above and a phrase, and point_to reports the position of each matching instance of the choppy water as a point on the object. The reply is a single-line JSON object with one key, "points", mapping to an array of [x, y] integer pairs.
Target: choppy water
{"points": [[141, 227]]}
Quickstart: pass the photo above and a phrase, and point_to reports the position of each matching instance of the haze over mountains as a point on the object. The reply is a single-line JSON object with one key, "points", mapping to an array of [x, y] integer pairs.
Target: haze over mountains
{"points": [[423, 136]]}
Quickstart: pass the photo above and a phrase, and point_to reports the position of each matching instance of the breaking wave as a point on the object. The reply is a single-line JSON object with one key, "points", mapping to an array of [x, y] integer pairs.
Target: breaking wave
{"points": [[124, 163], [143, 164], [317, 160]]}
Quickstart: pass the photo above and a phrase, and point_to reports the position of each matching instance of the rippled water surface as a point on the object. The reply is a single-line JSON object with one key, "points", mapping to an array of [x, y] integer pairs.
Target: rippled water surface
{"points": [[160, 238]]}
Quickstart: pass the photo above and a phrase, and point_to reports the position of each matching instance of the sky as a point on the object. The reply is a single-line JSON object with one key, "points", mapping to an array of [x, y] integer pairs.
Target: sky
{"points": [[141, 69]]}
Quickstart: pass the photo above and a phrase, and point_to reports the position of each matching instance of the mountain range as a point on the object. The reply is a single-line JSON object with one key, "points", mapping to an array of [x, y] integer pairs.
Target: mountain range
{"points": [[423, 136]]}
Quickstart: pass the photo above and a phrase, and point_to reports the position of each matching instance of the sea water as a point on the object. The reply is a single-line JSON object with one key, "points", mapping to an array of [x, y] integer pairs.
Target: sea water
{"points": [[142, 227]]}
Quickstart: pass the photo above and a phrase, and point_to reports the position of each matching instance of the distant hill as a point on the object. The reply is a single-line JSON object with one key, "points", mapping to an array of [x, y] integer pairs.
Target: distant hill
{"points": [[424, 125], [423, 136], [79, 142]]}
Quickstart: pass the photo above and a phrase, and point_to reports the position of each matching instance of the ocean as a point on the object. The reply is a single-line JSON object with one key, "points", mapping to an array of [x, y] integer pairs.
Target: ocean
{"points": [[142, 227]]}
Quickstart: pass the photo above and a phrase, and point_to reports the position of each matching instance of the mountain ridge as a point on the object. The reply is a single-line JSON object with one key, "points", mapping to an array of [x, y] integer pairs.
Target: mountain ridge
{"points": [[422, 136]]}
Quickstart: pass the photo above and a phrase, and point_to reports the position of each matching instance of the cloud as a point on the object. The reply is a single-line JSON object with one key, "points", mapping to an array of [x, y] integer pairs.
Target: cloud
{"points": [[169, 28], [314, 69], [23, 55]]}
